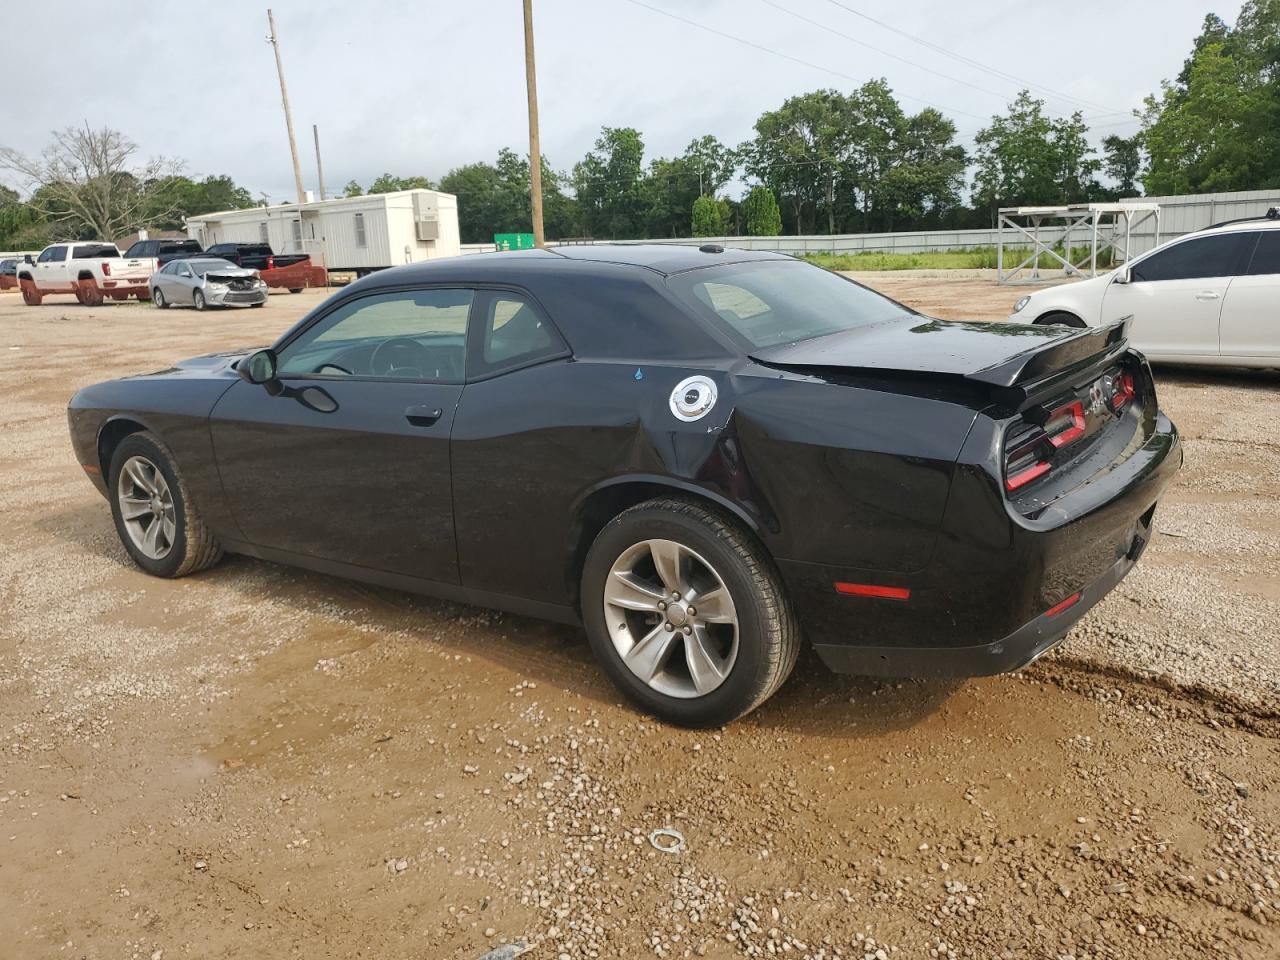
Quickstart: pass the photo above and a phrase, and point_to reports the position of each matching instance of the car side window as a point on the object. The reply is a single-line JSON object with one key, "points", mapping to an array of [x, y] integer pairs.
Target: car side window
{"points": [[1221, 255], [511, 331], [402, 335], [1266, 258], [183, 270], [53, 255]]}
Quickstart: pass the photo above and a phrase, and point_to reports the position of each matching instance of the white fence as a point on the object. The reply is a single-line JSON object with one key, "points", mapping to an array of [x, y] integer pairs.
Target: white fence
{"points": [[1178, 215]]}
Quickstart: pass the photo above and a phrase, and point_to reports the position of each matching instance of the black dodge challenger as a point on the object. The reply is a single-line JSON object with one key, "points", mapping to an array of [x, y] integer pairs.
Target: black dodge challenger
{"points": [[702, 455]]}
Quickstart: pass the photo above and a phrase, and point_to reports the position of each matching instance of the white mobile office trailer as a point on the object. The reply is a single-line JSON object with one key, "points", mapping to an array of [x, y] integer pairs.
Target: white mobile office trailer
{"points": [[359, 234]]}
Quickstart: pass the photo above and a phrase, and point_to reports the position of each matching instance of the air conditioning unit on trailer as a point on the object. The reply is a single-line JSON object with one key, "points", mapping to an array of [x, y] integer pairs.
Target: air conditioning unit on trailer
{"points": [[427, 228]]}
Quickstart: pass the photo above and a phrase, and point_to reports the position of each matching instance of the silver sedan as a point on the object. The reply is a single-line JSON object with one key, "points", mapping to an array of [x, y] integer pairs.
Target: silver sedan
{"points": [[206, 282]]}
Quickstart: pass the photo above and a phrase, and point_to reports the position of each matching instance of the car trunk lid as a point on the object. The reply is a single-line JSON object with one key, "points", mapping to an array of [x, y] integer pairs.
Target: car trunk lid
{"points": [[999, 355]]}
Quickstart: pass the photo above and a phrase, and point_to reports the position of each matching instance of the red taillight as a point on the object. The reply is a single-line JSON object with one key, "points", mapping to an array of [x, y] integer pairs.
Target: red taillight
{"points": [[106, 269], [1066, 424], [1124, 389], [271, 263], [1024, 476], [873, 590], [1066, 604]]}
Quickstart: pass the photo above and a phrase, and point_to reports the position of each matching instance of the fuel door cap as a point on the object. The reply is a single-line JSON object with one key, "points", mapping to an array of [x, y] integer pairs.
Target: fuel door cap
{"points": [[693, 398]]}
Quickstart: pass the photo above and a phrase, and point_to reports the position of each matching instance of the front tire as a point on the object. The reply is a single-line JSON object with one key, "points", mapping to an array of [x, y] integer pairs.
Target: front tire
{"points": [[687, 614], [31, 294], [197, 298], [158, 524]]}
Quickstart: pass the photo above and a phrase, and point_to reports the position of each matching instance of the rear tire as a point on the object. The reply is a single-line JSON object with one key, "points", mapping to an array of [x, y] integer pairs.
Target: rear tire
{"points": [[158, 299], [89, 294], [295, 289], [182, 544], [1059, 318], [658, 648], [197, 298]]}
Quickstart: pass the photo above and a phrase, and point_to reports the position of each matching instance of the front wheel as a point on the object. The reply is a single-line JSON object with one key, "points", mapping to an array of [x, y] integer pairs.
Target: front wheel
{"points": [[157, 297], [687, 614], [155, 519], [31, 294], [198, 299]]}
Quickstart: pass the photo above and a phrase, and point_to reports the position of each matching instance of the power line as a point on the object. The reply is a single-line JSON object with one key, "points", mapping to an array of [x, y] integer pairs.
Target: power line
{"points": [[886, 53], [976, 64], [787, 56]]}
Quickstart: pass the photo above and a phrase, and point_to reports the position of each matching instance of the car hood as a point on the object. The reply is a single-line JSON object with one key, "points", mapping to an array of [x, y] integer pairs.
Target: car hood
{"points": [[997, 353], [207, 365], [231, 273]]}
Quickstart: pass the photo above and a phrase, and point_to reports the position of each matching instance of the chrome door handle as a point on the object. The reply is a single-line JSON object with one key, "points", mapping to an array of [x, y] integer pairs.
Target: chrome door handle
{"points": [[1206, 295]]}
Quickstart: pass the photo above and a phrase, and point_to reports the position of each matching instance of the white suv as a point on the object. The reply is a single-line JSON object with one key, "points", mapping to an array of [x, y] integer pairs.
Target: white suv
{"points": [[1208, 297]]}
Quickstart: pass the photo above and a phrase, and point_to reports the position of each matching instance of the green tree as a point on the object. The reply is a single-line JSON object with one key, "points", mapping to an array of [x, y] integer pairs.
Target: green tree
{"points": [[1122, 161], [352, 189], [707, 218], [609, 183], [495, 198], [797, 152], [388, 183], [670, 187], [177, 198], [761, 211], [1217, 126], [1026, 157], [711, 162]]}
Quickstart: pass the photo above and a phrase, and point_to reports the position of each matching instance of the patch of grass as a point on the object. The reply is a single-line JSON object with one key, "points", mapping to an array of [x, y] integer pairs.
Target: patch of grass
{"points": [[974, 258]]}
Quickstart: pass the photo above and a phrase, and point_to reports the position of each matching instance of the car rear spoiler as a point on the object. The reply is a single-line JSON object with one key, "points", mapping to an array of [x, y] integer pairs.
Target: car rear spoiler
{"points": [[1056, 358]]}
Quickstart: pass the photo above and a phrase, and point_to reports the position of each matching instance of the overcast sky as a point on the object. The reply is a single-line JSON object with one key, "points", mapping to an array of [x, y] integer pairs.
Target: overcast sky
{"points": [[420, 86]]}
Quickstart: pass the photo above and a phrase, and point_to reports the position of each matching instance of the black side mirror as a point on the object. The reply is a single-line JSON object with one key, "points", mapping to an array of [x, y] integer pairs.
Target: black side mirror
{"points": [[28, 259], [260, 368]]}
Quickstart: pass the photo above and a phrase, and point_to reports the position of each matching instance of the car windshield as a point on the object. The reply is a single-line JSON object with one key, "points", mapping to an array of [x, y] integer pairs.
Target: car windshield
{"points": [[201, 267], [767, 303]]}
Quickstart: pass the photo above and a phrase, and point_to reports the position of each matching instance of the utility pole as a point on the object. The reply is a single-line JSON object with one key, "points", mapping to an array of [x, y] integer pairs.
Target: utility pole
{"points": [[535, 152], [288, 116], [315, 131]]}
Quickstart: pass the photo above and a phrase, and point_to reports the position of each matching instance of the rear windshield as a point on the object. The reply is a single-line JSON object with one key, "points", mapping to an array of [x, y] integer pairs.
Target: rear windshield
{"points": [[180, 246], [767, 303], [253, 249], [94, 251]]}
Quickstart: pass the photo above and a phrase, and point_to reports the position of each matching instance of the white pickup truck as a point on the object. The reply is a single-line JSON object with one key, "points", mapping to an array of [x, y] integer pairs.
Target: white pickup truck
{"points": [[91, 270]]}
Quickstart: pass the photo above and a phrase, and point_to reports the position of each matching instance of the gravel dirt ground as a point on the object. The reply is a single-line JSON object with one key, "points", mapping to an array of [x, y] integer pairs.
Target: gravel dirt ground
{"points": [[261, 762]]}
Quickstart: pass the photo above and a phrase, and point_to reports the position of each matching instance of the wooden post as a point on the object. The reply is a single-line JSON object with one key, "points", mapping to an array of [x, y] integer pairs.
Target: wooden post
{"points": [[288, 116], [315, 131], [535, 152]]}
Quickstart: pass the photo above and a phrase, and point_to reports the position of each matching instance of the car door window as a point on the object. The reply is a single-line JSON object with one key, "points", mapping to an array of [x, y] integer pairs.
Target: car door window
{"points": [[1266, 258], [1221, 255], [54, 255], [511, 331], [403, 335], [184, 270]]}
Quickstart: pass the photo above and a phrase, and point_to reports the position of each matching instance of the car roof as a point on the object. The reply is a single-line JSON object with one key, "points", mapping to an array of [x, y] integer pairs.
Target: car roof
{"points": [[662, 258], [1234, 226]]}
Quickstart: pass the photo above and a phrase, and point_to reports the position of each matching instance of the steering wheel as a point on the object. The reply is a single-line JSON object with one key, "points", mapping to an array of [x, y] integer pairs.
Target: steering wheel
{"points": [[399, 353]]}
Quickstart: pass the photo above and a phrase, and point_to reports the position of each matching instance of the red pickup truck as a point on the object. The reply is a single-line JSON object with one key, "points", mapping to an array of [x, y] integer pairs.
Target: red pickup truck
{"points": [[293, 271]]}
